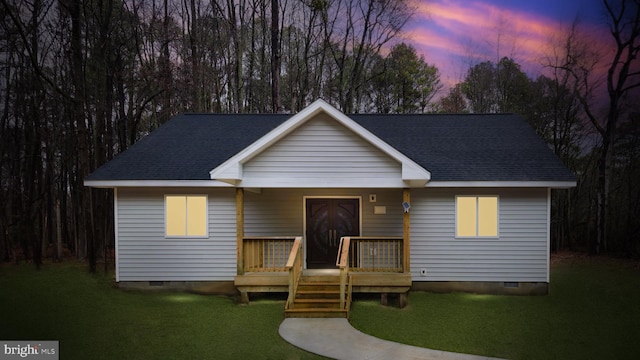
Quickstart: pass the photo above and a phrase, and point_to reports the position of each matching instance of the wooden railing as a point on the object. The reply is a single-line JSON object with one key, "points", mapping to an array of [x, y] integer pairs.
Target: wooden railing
{"points": [[376, 254], [266, 254], [342, 262], [294, 267]]}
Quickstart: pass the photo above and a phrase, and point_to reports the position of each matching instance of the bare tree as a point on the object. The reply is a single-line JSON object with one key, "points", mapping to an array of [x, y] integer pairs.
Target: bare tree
{"points": [[275, 56], [83, 80], [362, 27], [622, 80], [453, 102]]}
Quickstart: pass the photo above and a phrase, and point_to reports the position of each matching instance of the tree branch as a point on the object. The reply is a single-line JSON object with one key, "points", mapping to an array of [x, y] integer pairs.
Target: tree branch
{"points": [[32, 59]]}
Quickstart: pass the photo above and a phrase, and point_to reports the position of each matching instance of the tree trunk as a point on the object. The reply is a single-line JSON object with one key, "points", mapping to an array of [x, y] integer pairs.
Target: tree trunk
{"points": [[275, 57], [82, 139]]}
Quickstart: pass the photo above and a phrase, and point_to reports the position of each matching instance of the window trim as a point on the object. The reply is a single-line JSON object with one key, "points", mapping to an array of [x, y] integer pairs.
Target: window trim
{"points": [[187, 236], [476, 236]]}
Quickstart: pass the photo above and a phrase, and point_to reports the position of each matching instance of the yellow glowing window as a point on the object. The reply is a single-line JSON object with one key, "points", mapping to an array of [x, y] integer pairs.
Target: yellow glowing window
{"points": [[476, 216], [186, 215]]}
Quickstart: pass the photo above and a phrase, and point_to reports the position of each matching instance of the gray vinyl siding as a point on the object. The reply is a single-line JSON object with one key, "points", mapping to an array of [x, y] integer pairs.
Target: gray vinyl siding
{"points": [[322, 147], [389, 224], [145, 254], [519, 254]]}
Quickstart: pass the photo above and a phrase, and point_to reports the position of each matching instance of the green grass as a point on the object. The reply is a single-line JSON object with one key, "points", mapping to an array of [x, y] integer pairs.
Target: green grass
{"points": [[93, 320], [593, 312]]}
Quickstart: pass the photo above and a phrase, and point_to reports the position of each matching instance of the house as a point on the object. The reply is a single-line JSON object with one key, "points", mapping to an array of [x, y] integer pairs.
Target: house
{"points": [[380, 203]]}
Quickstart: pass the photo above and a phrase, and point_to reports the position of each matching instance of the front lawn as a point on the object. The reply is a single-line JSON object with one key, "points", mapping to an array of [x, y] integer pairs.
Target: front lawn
{"points": [[593, 312], [92, 319]]}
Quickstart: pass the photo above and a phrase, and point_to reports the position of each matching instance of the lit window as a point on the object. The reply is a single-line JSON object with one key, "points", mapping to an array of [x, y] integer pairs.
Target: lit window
{"points": [[477, 216], [186, 215]]}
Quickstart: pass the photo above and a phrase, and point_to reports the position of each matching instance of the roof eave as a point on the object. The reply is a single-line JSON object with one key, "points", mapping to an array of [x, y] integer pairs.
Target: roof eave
{"points": [[560, 184], [154, 183]]}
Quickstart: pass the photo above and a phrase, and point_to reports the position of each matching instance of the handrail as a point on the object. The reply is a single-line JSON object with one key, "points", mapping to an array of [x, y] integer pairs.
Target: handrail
{"points": [[343, 263], [294, 251], [265, 253], [294, 267], [377, 254], [343, 252]]}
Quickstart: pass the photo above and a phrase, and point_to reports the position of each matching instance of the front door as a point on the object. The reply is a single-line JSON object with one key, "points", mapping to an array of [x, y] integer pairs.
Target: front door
{"points": [[327, 221]]}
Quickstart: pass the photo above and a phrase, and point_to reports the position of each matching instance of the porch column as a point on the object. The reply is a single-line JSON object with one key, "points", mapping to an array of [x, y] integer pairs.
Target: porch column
{"points": [[406, 232], [240, 229]]}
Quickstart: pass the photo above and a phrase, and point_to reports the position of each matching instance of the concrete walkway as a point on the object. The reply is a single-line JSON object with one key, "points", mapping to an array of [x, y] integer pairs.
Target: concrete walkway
{"points": [[336, 338]]}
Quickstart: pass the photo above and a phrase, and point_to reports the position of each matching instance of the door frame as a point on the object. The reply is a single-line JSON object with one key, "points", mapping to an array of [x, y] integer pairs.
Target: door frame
{"points": [[304, 215]]}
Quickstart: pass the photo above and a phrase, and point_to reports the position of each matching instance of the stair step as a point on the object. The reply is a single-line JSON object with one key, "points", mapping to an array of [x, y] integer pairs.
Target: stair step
{"points": [[315, 312], [316, 279], [319, 288], [324, 306], [316, 303], [319, 294], [319, 285], [298, 310], [326, 301]]}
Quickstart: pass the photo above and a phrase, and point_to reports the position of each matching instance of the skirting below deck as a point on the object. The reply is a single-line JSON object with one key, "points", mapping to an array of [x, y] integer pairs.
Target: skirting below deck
{"points": [[379, 282], [362, 283]]}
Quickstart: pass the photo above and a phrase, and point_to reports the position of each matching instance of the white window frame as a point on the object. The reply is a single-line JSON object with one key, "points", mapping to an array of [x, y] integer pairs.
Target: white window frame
{"points": [[476, 236], [206, 216]]}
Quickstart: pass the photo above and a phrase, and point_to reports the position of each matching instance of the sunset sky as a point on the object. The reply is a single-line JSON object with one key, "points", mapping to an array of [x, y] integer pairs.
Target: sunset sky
{"points": [[455, 34]]}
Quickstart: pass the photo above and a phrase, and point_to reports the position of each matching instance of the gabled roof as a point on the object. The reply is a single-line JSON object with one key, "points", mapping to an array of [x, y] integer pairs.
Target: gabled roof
{"points": [[231, 170], [453, 150]]}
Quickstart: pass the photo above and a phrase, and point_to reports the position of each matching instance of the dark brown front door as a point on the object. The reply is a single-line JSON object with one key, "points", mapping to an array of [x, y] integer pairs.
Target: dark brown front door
{"points": [[327, 221]]}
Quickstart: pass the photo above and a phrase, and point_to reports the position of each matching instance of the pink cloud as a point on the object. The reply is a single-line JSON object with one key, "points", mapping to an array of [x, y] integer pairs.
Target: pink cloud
{"points": [[455, 35]]}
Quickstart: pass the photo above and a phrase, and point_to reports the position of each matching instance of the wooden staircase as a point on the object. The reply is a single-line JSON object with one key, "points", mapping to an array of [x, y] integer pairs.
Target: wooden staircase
{"points": [[318, 296]]}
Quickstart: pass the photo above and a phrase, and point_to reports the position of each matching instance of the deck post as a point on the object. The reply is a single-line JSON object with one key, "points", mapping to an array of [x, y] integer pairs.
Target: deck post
{"points": [[240, 230], [384, 299], [403, 299], [244, 297], [406, 232]]}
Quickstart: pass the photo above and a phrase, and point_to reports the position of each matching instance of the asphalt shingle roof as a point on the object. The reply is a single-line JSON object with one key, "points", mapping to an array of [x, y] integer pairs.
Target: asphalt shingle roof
{"points": [[470, 147], [461, 147]]}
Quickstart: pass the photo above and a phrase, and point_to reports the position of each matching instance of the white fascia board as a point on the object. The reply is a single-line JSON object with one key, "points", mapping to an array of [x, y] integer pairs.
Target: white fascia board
{"points": [[320, 183], [411, 171], [232, 168], [155, 183], [229, 170], [415, 183], [512, 184]]}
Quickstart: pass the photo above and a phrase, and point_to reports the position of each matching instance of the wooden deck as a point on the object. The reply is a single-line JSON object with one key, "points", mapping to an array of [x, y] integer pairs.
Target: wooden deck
{"points": [[363, 265], [363, 282]]}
